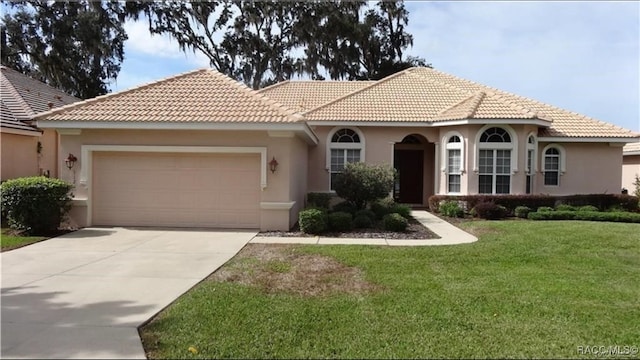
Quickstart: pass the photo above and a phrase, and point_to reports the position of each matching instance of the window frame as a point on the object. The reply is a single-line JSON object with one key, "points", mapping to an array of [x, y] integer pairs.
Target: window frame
{"points": [[531, 170], [495, 147], [448, 147], [561, 163], [344, 147]]}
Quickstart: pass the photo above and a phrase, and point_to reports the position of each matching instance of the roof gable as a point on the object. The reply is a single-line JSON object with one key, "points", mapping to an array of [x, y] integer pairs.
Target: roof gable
{"points": [[203, 95]]}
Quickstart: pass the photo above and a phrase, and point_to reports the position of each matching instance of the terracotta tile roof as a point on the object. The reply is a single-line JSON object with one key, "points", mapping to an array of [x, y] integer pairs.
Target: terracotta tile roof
{"points": [[631, 148], [306, 95], [426, 95], [198, 96], [23, 97]]}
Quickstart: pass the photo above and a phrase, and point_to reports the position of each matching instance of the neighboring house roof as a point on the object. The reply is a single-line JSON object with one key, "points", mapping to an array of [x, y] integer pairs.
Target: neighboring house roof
{"points": [[423, 94], [198, 96], [306, 95], [631, 149], [23, 97]]}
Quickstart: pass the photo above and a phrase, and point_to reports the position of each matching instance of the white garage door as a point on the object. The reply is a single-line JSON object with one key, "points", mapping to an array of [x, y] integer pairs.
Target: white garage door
{"points": [[182, 190]]}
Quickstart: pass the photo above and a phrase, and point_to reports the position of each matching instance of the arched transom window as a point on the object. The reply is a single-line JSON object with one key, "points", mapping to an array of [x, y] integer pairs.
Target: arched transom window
{"points": [[494, 161], [345, 146]]}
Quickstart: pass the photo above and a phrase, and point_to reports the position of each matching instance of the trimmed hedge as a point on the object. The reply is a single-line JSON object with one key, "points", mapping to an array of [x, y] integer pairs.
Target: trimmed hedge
{"points": [[395, 222], [403, 210], [312, 221], [340, 221], [522, 211], [366, 212], [362, 221], [319, 200], [626, 217], [35, 204], [601, 201], [566, 207], [451, 208], [344, 206], [490, 211], [382, 207], [587, 208]]}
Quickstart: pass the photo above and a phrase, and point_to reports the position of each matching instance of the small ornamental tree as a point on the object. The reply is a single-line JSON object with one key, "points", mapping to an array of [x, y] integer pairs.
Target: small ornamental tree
{"points": [[360, 183], [636, 184]]}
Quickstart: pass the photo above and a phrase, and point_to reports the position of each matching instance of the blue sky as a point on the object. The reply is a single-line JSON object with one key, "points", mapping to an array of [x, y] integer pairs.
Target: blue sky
{"points": [[582, 56]]}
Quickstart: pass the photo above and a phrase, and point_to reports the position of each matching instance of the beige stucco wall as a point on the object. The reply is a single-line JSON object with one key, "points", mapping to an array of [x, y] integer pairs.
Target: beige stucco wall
{"points": [[630, 168], [49, 155], [286, 150], [379, 146], [19, 155]]}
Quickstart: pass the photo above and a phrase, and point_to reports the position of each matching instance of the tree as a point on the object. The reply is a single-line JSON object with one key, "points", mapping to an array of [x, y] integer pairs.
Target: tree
{"points": [[361, 183], [262, 42], [74, 46]]}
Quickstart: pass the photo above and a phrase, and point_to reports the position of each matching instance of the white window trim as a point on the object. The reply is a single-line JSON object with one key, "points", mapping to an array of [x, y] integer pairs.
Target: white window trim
{"points": [[494, 174], [562, 168], [513, 146], [448, 146], [534, 147], [360, 145]]}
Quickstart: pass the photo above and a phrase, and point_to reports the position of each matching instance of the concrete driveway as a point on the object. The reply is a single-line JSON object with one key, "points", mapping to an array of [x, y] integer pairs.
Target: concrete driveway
{"points": [[83, 295]]}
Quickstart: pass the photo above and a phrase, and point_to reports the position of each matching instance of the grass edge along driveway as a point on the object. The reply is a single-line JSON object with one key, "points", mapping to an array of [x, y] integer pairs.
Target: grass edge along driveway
{"points": [[525, 289]]}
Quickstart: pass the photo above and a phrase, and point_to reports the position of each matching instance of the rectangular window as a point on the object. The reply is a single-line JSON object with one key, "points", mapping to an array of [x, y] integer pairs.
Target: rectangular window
{"points": [[551, 170], [340, 157], [529, 185], [453, 167], [494, 171]]}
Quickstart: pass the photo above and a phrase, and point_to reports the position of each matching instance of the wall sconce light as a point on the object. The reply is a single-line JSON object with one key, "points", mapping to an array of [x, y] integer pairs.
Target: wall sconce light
{"points": [[70, 161], [273, 165]]}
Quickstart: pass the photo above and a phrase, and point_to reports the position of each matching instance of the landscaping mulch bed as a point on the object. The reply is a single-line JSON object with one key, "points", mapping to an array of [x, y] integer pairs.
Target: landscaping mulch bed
{"points": [[415, 231]]}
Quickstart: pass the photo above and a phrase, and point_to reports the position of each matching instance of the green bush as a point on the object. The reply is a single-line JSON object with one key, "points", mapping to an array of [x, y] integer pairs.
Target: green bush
{"points": [[312, 221], [522, 211], [318, 200], [340, 221], [566, 207], [362, 221], [366, 212], [382, 207], [451, 208], [627, 217], [344, 206], [587, 208], [361, 183], [395, 222], [36, 204], [403, 210], [490, 211], [545, 209]]}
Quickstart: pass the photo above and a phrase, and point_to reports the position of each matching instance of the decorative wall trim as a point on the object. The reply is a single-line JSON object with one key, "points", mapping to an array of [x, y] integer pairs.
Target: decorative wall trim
{"points": [[277, 205]]}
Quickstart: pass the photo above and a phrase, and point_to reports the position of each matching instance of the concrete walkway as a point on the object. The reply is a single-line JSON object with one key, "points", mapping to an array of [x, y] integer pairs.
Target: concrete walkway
{"points": [[83, 295], [449, 235]]}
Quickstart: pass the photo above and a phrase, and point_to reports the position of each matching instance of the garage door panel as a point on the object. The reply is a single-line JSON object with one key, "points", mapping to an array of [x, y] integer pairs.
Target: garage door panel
{"points": [[155, 189]]}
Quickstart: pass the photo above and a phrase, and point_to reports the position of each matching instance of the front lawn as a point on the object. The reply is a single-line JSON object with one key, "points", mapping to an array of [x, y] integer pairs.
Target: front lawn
{"points": [[10, 239], [525, 289]]}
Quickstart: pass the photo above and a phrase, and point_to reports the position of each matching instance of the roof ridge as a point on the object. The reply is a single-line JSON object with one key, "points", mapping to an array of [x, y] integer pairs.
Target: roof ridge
{"points": [[114, 94], [477, 100], [369, 86], [282, 109], [522, 109], [459, 103], [16, 94], [273, 86]]}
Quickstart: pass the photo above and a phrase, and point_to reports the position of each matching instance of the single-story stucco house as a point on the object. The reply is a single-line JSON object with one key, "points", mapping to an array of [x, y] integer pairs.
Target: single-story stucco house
{"points": [[630, 166], [26, 150], [200, 149]]}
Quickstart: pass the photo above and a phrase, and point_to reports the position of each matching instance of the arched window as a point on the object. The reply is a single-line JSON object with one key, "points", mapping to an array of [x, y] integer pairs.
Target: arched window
{"points": [[552, 166], [531, 162], [345, 145], [496, 160], [452, 161]]}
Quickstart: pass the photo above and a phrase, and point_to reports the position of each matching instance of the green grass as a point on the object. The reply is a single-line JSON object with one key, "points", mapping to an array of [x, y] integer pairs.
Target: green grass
{"points": [[9, 241], [525, 289]]}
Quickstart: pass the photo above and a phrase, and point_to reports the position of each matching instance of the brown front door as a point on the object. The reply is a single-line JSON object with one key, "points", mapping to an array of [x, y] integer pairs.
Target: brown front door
{"points": [[409, 164]]}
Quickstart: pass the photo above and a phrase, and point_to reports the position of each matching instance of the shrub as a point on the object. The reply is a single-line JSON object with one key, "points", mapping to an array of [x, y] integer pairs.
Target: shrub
{"points": [[36, 204], [566, 207], [344, 206], [395, 222], [545, 209], [490, 210], [636, 185], [362, 221], [361, 183], [318, 200], [366, 212], [382, 207], [627, 217], [588, 208], [340, 221], [522, 211], [451, 208], [403, 210], [312, 221]]}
